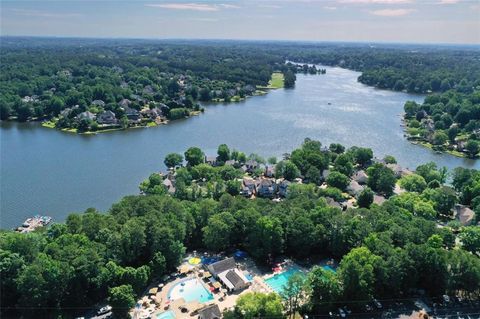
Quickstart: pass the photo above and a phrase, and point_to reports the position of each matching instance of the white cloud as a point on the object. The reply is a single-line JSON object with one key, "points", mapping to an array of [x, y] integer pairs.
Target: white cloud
{"points": [[448, 1], [376, 1], [185, 6], [392, 12], [229, 6], [194, 6], [330, 8]]}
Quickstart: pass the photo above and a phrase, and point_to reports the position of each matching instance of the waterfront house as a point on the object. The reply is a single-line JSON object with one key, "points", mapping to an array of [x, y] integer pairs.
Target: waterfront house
{"points": [[133, 115], [399, 171], [107, 118], [210, 312], [86, 115]]}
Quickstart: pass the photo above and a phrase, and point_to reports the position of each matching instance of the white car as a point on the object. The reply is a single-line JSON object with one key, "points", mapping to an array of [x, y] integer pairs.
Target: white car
{"points": [[342, 313], [104, 310], [377, 304]]}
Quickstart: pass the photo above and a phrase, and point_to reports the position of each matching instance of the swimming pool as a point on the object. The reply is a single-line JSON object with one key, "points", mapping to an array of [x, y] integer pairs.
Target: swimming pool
{"points": [[190, 290], [277, 282], [326, 267], [166, 315]]}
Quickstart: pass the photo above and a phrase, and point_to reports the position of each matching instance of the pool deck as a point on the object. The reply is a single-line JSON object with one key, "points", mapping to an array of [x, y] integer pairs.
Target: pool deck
{"points": [[223, 300]]}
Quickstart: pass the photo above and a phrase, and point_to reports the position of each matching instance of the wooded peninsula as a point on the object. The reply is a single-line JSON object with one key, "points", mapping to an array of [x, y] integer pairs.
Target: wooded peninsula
{"points": [[392, 232]]}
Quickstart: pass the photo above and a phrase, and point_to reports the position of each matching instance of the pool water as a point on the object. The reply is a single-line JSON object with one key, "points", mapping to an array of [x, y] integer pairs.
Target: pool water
{"points": [[326, 267], [278, 281], [190, 290], [166, 315]]}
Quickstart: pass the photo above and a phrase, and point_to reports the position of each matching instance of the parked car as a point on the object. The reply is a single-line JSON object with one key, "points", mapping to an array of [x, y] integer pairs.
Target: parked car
{"points": [[377, 304], [446, 299], [342, 313], [104, 310], [368, 307]]}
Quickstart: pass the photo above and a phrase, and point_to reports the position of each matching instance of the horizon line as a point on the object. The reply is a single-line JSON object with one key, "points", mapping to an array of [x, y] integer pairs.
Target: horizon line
{"points": [[241, 40]]}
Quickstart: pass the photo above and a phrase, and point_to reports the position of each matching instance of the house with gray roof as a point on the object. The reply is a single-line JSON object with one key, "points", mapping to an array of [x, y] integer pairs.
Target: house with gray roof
{"points": [[98, 103], [266, 188], [227, 272], [86, 115], [210, 312], [107, 118], [464, 214]]}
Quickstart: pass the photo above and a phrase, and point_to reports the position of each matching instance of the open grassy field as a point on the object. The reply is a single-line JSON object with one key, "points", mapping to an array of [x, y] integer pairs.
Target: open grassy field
{"points": [[276, 82]]}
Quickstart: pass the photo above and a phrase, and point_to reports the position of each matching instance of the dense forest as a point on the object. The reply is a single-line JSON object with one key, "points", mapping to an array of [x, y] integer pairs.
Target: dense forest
{"points": [[447, 121], [410, 240], [89, 85]]}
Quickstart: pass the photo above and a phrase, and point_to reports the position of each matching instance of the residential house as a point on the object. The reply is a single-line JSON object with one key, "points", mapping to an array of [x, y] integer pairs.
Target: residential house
{"points": [[325, 174], [250, 166], [124, 103], [227, 272], [98, 103], [249, 187], [169, 185], [148, 90], [86, 115], [333, 203], [269, 171], [378, 199], [266, 188], [354, 188], [398, 170], [231, 162], [107, 118], [211, 160], [283, 188], [133, 115], [210, 312], [360, 177], [464, 214]]}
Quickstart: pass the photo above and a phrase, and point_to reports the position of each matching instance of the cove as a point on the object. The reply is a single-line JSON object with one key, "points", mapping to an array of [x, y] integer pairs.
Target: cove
{"points": [[54, 173]]}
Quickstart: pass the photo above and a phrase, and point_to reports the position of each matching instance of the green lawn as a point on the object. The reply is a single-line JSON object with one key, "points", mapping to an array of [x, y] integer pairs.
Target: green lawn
{"points": [[276, 82]]}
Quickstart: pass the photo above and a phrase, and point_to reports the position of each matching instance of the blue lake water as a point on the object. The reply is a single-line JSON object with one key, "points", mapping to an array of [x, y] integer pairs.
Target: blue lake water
{"points": [[48, 172]]}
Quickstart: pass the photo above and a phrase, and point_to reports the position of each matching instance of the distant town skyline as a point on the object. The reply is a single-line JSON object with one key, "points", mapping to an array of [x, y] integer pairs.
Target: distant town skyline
{"points": [[407, 21]]}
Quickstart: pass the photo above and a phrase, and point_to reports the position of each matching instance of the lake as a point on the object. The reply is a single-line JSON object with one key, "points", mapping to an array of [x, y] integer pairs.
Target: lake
{"points": [[45, 171]]}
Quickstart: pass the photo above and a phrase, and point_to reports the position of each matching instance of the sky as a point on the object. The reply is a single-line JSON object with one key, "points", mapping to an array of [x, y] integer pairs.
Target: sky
{"points": [[404, 21]]}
